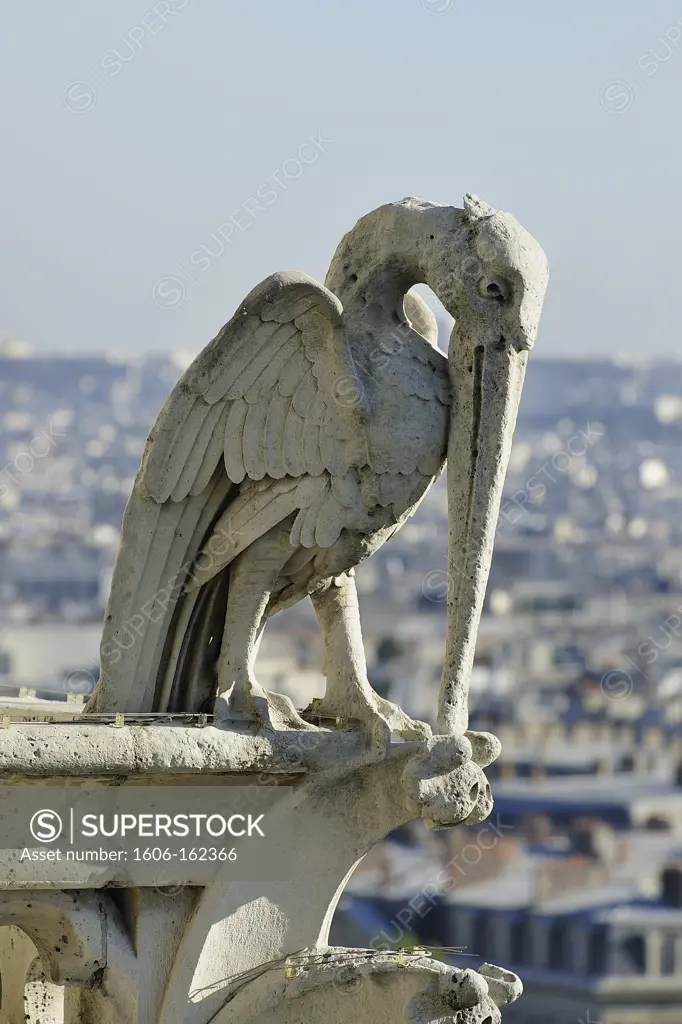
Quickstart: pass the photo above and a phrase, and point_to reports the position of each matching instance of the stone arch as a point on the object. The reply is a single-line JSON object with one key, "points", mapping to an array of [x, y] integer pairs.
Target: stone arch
{"points": [[64, 933], [27, 993], [67, 947], [18, 954]]}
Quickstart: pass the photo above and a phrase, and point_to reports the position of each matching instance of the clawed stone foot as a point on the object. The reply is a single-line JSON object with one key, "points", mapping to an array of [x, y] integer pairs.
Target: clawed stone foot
{"points": [[249, 704], [380, 717], [367, 716], [400, 723]]}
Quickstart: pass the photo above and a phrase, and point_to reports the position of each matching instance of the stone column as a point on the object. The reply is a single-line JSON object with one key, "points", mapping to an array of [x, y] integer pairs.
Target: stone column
{"points": [[17, 954], [43, 1000]]}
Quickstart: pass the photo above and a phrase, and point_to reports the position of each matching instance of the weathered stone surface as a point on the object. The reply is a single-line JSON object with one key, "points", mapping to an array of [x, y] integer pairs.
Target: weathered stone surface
{"points": [[337, 816], [298, 442], [95, 751]]}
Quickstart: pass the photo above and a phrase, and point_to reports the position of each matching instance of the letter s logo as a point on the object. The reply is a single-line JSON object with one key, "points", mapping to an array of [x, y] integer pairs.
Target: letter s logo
{"points": [[46, 826]]}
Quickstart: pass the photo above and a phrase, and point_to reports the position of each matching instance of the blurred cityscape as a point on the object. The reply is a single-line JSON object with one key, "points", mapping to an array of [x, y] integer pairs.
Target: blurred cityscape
{"points": [[575, 881]]}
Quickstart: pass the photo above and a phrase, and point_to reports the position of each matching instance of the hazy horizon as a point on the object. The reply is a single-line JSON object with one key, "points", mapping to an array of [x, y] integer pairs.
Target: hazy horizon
{"points": [[144, 143]]}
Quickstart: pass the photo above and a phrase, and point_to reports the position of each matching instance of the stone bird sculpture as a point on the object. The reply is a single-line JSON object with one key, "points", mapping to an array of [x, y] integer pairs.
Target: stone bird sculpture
{"points": [[299, 441]]}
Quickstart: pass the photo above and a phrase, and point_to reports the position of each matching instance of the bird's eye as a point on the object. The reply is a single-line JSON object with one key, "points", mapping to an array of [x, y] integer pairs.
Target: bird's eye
{"points": [[494, 288]]}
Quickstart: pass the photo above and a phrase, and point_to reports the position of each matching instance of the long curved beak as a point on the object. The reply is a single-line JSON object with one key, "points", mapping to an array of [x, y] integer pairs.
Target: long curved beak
{"points": [[487, 378]]}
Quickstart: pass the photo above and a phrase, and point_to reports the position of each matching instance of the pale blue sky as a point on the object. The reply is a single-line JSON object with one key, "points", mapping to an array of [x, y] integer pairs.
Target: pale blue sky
{"points": [[115, 171]]}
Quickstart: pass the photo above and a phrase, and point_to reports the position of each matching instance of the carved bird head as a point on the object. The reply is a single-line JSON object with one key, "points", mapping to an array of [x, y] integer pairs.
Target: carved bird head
{"points": [[489, 273], [503, 279]]}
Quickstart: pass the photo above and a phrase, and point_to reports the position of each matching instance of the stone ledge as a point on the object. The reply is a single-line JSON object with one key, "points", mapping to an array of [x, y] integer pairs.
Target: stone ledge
{"points": [[99, 751]]}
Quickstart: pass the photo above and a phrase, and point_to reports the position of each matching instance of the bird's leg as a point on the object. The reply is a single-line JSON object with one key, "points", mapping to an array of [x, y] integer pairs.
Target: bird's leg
{"points": [[349, 694], [253, 575]]}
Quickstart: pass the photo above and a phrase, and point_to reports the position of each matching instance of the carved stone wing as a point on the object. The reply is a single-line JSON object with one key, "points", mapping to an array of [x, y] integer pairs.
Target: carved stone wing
{"points": [[267, 395], [260, 400]]}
